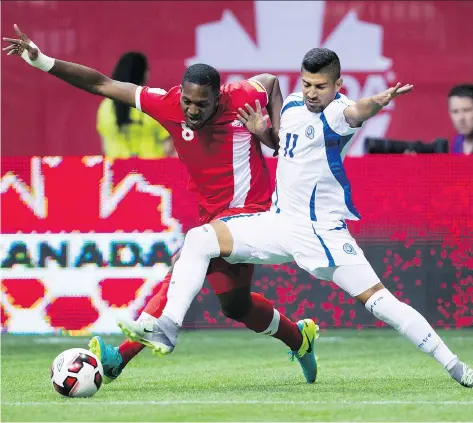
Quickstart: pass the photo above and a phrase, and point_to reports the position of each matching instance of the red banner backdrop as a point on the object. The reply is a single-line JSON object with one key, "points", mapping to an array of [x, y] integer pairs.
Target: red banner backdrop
{"points": [[427, 43], [425, 196]]}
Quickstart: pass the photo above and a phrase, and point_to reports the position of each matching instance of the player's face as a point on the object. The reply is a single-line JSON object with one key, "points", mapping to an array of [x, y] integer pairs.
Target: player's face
{"points": [[198, 103], [319, 90], [461, 113]]}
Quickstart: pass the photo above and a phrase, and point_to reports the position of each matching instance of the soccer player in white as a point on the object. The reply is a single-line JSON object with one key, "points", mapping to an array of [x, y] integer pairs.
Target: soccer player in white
{"points": [[306, 223]]}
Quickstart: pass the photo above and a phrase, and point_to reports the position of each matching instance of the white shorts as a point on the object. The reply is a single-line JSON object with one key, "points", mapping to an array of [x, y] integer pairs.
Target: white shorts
{"points": [[271, 238]]}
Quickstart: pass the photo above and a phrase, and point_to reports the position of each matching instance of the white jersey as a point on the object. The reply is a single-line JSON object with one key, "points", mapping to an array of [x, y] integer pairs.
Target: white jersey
{"points": [[311, 183]]}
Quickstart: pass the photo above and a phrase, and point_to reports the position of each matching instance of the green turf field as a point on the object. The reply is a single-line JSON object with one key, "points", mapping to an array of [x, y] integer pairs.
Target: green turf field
{"points": [[371, 375]]}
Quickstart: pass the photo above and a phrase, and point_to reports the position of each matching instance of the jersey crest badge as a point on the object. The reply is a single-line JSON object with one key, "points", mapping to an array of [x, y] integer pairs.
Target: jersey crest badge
{"points": [[348, 248], [310, 132]]}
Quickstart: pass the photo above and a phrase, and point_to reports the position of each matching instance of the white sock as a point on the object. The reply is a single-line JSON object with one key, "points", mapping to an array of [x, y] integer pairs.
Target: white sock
{"points": [[411, 324], [274, 325], [188, 276]]}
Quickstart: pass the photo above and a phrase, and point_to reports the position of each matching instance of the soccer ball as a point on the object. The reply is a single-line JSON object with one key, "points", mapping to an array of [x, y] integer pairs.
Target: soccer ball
{"points": [[76, 373]]}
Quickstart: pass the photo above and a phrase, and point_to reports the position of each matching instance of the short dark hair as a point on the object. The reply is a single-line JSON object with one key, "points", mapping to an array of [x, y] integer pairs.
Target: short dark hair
{"points": [[462, 90], [322, 60], [202, 74]]}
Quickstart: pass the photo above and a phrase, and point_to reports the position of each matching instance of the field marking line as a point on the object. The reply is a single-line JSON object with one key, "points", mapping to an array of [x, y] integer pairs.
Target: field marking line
{"points": [[79, 401]]}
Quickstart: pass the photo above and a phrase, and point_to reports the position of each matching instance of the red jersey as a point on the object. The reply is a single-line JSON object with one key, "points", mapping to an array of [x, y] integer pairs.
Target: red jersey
{"points": [[224, 160]]}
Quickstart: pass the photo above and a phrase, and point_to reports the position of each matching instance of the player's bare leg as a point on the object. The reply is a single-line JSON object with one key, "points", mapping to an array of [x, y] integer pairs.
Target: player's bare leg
{"points": [[402, 317]]}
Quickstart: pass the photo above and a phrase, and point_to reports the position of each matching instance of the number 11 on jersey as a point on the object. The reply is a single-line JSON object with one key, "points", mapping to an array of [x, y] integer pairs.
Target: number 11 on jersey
{"points": [[289, 149]]}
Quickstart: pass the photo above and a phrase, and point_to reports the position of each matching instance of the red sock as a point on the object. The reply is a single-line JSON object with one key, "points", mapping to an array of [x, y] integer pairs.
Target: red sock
{"points": [[156, 305], [129, 349], [260, 317]]}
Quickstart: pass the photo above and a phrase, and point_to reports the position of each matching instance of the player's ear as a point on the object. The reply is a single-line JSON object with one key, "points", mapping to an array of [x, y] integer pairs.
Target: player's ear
{"points": [[338, 84], [217, 96]]}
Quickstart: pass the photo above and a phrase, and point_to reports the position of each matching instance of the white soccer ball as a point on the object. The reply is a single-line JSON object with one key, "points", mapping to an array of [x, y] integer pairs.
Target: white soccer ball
{"points": [[76, 373]]}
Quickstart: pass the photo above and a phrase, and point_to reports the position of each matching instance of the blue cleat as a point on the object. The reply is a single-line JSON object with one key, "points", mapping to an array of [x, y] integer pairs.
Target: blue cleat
{"points": [[109, 356], [306, 353]]}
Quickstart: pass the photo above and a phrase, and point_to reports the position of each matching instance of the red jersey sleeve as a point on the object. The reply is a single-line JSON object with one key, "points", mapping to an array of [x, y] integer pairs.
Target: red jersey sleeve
{"points": [[247, 91], [150, 101]]}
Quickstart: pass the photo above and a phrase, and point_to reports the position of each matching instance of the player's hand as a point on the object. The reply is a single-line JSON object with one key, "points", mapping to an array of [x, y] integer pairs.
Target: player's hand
{"points": [[18, 46], [386, 96], [254, 121]]}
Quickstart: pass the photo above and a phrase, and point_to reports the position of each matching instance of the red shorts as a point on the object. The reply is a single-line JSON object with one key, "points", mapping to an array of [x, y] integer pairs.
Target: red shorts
{"points": [[223, 276], [254, 208]]}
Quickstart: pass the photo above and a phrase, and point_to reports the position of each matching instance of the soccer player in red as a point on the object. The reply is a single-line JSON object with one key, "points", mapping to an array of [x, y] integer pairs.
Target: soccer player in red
{"points": [[226, 169]]}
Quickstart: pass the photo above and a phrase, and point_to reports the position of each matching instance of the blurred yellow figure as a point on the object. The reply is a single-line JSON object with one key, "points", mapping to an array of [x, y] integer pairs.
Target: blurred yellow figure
{"points": [[125, 131]]}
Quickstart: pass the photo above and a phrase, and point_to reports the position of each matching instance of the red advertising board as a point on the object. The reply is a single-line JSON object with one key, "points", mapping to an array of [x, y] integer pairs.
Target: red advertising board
{"points": [[86, 240]]}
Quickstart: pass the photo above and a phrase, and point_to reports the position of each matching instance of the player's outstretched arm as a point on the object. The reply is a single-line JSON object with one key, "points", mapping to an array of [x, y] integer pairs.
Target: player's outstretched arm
{"points": [[77, 75], [367, 107]]}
